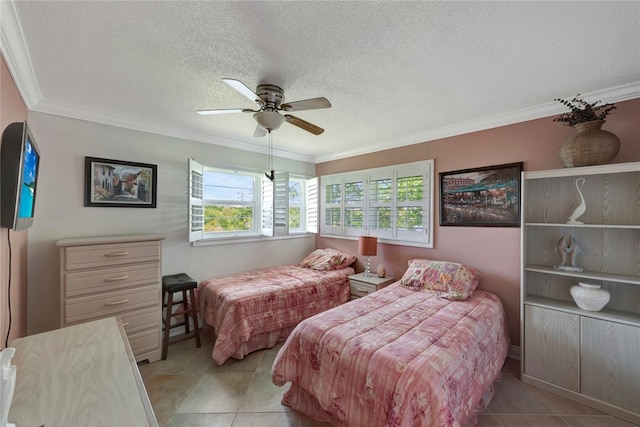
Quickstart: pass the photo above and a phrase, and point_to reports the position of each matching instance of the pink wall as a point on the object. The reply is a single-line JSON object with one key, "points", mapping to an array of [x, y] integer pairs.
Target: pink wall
{"points": [[12, 109], [495, 251]]}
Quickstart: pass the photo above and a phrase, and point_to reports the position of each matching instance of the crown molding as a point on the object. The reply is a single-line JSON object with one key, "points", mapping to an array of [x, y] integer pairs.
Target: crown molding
{"points": [[616, 94], [69, 111], [16, 55]]}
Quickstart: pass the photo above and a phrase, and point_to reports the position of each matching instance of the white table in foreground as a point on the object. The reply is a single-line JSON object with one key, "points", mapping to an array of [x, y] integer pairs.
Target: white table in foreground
{"points": [[83, 375]]}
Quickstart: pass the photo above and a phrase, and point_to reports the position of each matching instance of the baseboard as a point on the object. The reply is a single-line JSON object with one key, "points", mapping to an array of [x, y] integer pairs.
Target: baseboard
{"points": [[514, 352]]}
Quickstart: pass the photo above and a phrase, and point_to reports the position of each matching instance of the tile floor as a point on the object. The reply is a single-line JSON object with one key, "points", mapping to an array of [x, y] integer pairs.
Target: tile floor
{"points": [[190, 390]]}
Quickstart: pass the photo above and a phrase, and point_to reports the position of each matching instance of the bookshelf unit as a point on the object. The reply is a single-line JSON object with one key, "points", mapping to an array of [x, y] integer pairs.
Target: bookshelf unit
{"points": [[588, 356]]}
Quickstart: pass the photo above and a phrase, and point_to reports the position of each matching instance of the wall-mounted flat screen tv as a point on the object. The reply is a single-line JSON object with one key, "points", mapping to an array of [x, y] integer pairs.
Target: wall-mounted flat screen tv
{"points": [[19, 165]]}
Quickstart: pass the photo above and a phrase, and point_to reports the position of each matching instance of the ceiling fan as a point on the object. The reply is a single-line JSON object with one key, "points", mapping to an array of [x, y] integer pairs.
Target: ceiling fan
{"points": [[270, 100]]}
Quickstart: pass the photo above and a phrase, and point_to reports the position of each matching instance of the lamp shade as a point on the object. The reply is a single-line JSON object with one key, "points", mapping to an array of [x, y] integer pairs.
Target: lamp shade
{"points": [[367, 245]]}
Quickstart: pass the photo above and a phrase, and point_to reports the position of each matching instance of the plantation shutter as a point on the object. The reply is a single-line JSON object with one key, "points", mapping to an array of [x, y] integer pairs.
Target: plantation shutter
{"points": [[275, 205], [379, 215], [332, 204], [196, 201], [354, 191], [267, 205], [394, 203], [312, 205], [281, 204], [412, 204]]}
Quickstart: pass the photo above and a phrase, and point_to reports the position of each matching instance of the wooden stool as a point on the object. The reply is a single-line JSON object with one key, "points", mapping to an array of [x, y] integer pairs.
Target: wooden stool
{"points": [[185, 284]]}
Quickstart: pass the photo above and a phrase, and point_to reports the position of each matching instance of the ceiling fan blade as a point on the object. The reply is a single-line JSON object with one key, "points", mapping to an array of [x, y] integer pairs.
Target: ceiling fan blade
{"points": [[225, 111], [306, 104], [243, 89], [302, 124], [259, 132]]}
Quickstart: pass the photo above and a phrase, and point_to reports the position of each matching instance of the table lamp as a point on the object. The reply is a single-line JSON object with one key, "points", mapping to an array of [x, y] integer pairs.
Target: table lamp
{"points": [[367, 246]]}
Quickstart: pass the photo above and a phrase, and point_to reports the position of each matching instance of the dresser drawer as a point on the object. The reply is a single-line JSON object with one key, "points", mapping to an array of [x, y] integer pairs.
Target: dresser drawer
{"points": [[139, 320], [92, 256], [110, 279], [360, 289], [110, 303], [145, 341]]}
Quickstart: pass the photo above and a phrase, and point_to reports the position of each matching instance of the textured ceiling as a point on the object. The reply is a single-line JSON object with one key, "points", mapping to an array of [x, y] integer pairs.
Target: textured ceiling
{"points": [[397, 73]]}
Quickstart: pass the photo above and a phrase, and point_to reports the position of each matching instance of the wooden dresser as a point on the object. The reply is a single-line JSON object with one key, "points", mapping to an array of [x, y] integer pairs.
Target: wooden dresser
{"points": [[116, 275], [83, 375]]}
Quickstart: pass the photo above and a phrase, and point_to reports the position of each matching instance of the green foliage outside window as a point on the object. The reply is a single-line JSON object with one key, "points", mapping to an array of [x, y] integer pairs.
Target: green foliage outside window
{"points": [[333, 193], [332, 217], [410, 189], [353, 217], [380, 190], [294, 217], [380, 219], [228, 218], [409, 218], [354, 192]]}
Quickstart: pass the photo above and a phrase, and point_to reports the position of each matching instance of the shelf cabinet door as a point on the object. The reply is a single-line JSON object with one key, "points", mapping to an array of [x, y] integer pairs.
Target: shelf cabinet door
{"points": [[552, 347], [610, 364]]}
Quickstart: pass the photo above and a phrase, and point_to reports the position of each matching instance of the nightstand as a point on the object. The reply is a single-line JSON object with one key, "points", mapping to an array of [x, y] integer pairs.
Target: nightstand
{"points": [[362, 286]]}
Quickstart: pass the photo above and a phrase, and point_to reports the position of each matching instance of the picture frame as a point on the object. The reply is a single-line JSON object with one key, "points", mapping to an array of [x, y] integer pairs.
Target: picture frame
{"points": [[481, 197], [119, 184]]}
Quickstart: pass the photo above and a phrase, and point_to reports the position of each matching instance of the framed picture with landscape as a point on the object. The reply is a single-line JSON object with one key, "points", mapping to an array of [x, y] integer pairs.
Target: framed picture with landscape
{"points": [[120, 184], [481, 197]]}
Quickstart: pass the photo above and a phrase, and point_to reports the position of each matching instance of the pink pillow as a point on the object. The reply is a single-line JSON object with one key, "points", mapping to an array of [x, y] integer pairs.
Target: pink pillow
{"points": [[309, 259], [451, 280], [327, 260]]}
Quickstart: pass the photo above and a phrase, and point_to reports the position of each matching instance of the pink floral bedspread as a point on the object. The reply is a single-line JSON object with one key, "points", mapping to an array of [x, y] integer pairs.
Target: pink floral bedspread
{"points": [[396, 358], [256, 303]]}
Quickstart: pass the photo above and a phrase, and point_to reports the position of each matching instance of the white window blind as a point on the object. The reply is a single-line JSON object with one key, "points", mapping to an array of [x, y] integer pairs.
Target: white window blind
{"points": [[268, 207], [196, 201], [312, 205], [394, 203]]}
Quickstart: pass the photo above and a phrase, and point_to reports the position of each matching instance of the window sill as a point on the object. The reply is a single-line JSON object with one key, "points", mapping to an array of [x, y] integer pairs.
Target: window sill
{"points": [[249, 239]]}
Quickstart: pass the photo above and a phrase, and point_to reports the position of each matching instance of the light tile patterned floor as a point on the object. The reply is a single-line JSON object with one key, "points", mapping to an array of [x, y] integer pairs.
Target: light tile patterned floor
{"points": [[190, 390]]}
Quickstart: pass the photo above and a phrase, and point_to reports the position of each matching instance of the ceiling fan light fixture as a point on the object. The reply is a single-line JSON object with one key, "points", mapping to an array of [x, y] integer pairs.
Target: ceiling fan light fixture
{"points": [[270, 100], [269, 120]]}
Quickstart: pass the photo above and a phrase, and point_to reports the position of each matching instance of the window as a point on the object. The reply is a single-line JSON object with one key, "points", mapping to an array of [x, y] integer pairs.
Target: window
{"points": [[298, 188], [229, 204], [394, 203]]}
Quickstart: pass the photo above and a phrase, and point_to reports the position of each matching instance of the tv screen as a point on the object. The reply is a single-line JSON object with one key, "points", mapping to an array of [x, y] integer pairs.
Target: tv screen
{"points": [[27, 197], [19, 164]]}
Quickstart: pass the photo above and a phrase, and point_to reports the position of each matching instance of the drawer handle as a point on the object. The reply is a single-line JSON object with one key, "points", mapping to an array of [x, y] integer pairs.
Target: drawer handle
{"points": [[116, 279], [362, 290], [112, 254], [124, 325], [119, 302]]}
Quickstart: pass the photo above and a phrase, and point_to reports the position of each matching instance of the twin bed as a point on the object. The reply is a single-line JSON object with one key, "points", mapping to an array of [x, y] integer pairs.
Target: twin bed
{"points": [[248, 311], [424, 351]]}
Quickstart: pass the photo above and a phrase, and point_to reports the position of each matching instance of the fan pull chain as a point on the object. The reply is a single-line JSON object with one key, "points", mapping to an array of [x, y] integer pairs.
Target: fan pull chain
{"points": [[272, 175], [270, 151]]}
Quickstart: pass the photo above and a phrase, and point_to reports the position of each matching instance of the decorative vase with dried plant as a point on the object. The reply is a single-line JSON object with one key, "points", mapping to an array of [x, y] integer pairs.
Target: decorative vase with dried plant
{"points": [[591, 145]]}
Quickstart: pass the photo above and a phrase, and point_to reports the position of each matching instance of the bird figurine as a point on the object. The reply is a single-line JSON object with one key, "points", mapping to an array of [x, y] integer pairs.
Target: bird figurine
{"points": [[562, 251], [568, 251], [582, 207]]}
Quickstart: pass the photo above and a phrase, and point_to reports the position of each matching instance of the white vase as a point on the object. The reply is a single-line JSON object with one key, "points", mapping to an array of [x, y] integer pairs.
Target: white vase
{"points": [[381, 270], [590, 296]]}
